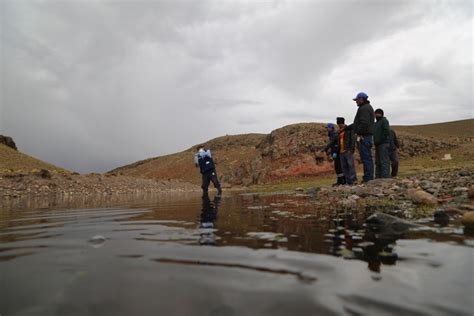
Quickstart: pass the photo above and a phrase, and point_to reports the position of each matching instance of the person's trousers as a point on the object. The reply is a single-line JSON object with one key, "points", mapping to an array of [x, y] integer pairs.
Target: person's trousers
{"points": [[382, 161], [394, 159], [365, 151], [207, 178], [339, 172], [348, 167]]}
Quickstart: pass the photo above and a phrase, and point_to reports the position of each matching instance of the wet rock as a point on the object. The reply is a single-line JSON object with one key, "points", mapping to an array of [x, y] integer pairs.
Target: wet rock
{"points": [[464, 173], [384, 224], [468, 220], [422, 197], [441, 218]]}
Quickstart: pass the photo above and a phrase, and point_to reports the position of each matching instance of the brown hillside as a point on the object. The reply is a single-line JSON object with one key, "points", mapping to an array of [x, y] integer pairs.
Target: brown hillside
{"points": [[288, 152], [228, 152], [15, 161], [458, 129]]}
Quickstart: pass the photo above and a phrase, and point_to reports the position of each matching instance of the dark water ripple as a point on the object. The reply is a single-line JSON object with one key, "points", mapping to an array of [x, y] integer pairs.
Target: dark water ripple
{"points": [[239, 255]]}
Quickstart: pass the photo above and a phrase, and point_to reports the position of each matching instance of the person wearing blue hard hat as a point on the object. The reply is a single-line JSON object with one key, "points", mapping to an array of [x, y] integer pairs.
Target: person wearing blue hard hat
{"points": [[363, 128]]}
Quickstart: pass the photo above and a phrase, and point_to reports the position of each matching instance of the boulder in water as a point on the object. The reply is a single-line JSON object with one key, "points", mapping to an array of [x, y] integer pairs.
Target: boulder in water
{"points": [[388, 225]]}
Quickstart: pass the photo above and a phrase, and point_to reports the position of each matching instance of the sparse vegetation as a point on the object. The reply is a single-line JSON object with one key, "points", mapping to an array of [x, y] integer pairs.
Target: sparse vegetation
{"points": [[15, 161]]}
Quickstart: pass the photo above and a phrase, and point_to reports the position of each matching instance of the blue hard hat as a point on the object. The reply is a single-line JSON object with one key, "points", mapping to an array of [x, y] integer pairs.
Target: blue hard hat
{"points": [[362, 95], [329, 125]]}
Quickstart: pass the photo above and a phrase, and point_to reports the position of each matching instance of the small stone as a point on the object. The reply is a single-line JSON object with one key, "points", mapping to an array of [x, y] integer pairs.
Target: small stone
{"points": [[313, 190], [354, 197], [299, 189], [426, 184], [464, 173], [468, 220], [460, 191], [422, 197]]}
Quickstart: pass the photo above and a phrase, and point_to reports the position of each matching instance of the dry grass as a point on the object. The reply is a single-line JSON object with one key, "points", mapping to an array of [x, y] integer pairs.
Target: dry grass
{"points": [[12, 160], [461, 129]]}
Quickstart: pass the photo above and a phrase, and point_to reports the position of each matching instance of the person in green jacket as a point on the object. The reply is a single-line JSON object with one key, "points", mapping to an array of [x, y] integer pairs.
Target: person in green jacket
{"points": [[382, 145]]}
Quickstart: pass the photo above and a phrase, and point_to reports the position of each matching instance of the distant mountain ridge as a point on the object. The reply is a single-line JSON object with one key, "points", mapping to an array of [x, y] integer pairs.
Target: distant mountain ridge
{"points": [[288, 152]]}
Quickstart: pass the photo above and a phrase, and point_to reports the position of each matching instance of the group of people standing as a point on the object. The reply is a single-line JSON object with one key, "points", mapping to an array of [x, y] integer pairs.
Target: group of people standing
{"points": [[369, 128]]}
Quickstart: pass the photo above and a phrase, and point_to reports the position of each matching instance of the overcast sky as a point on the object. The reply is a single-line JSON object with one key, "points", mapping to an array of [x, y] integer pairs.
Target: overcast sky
{"points": [[92, 85]]}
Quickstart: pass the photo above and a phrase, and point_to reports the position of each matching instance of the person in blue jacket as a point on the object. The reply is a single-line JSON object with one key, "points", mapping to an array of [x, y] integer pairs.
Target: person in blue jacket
{"points": [[333, 151], [203, 160]]}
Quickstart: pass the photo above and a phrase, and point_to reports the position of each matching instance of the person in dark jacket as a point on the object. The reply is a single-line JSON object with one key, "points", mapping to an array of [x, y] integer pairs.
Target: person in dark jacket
{"points": [[203, 160], [334, 153], [363, 128], [382, 145], [346, 144], [394, 155]]}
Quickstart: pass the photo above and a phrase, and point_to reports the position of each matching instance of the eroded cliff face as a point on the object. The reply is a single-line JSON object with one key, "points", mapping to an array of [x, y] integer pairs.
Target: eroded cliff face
{"points": [[288, 152], [295, 151]]}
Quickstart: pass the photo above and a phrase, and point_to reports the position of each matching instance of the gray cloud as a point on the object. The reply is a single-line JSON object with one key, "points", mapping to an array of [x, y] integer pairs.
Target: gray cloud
{"points": [[91, 85]]}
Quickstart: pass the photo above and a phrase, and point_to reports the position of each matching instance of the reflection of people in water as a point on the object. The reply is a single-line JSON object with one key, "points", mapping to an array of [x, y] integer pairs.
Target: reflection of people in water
{"points": [[207, 219], [373, 248], [381, 251]]}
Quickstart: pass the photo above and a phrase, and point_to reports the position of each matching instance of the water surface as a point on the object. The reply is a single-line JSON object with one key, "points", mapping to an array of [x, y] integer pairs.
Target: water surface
{"points": [[242, 254]]}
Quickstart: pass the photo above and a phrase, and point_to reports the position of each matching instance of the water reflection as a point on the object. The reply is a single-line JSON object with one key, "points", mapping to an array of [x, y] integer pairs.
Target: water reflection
{"points": [[208, 218], [367, 242]]}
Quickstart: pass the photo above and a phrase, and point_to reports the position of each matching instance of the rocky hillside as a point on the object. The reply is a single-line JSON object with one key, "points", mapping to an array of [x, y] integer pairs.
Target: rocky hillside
{"points": [[289, 152]]}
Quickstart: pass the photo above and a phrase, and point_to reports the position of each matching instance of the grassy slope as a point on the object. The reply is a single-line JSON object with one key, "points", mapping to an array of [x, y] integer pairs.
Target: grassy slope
{"points": [[11, 159], [462, 129]]}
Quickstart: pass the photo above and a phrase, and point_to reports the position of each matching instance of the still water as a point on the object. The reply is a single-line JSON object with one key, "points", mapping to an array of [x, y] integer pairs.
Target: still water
{"points": [[240, 254]]}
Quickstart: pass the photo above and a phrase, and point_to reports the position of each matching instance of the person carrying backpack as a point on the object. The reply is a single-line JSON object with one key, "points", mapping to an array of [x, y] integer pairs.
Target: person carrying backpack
{"points": [[203, 160]]}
